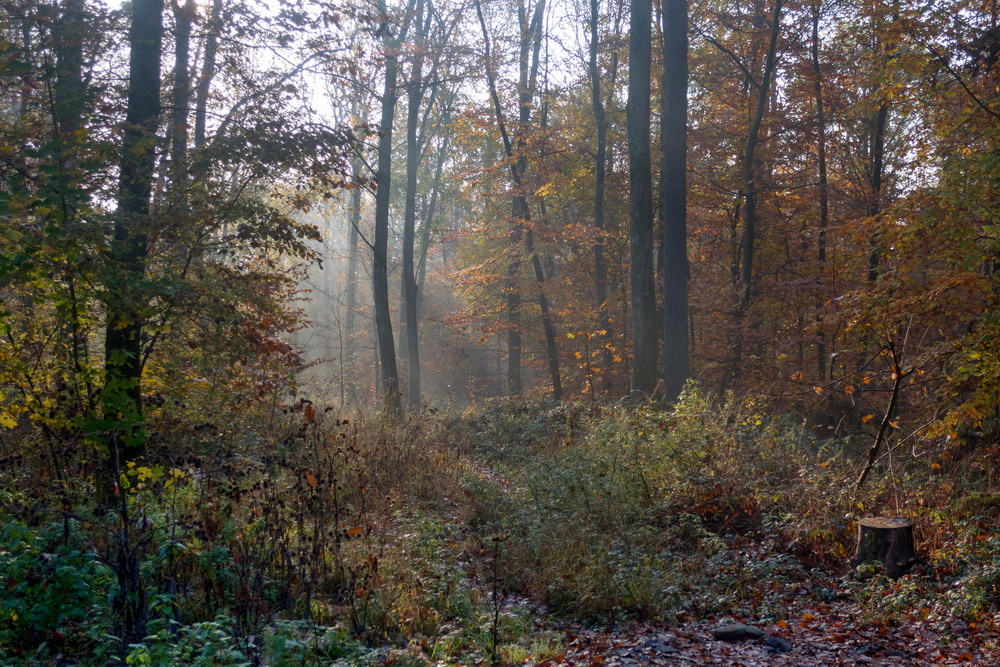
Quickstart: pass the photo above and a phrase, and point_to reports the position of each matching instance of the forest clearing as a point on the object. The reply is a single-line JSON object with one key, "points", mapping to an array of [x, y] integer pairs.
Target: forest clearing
{"points": [[499, 332]]}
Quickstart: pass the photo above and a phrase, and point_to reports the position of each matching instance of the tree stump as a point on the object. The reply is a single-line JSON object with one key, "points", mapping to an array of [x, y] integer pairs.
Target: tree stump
{"points": [[888, 541]]}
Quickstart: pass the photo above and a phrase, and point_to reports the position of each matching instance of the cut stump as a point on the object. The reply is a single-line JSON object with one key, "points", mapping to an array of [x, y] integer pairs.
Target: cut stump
{"points": [[888, 541]]}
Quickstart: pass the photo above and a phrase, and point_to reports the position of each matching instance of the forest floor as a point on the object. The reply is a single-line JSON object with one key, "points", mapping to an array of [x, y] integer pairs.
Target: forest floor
{"points": [[830, 638], [815, 611], [559, 536]]}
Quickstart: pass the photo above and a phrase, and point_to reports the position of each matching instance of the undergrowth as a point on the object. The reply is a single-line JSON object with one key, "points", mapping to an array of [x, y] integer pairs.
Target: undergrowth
{"points": [[325, 538]]}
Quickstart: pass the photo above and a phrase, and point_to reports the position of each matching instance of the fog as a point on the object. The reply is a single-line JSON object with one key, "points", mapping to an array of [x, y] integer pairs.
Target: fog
{"points": [[458, 364]]}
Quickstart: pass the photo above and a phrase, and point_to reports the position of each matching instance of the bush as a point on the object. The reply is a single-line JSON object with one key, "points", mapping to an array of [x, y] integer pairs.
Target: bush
{"points": [[56, 592]]}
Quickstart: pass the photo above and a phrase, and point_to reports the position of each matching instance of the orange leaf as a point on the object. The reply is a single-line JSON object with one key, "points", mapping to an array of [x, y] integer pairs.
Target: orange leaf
{"points": [[798, 376], [311, 480], [867, 418], [783, 624], [818, 390], [848, 390], [355, 530]]}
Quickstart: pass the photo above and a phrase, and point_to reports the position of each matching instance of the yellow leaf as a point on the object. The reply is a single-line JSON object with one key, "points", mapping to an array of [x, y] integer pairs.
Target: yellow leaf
{"points": [[569, 335]]}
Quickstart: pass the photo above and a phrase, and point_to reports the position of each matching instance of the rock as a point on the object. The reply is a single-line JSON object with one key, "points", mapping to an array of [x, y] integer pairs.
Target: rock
{"points": [[779, 644], [735, 632], [659, 647]]}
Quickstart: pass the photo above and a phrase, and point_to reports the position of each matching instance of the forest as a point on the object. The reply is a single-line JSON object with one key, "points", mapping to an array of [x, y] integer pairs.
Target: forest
{"points": [[499, 332]]}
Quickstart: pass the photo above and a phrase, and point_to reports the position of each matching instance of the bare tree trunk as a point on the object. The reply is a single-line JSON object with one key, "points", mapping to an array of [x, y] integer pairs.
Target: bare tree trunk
{"points": [[428, 222], [673, 184], [184, 16], [354, 219], [380, 269], [876, 177], [414, 98], [600, 177], [207, 73], [824, 195], [642, 271]]}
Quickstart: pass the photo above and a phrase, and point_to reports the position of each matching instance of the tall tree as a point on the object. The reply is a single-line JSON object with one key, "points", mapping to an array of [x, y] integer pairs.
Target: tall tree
{"points": [[529, 43], [123, 332], [673, 200], [380, 244], [415, 95], [823, 182], [600, 178], [642, 273]]}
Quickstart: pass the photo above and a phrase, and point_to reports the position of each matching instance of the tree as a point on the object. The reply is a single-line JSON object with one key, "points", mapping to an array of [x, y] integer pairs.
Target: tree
{"points": [[673, 186], [529, 46], [600, 178], [122, 395], [642, 273], [380, 243]]}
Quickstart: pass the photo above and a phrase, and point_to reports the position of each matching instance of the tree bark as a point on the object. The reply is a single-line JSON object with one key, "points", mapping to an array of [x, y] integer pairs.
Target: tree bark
{"points": [[673, 184]]}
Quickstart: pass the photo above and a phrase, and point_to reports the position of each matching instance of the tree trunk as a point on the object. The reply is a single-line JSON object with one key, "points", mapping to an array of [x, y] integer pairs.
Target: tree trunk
{"points": [[888, 541], [876, 168], [600, 178], [642, 271], [354, 219], [184, 16], [428, 222], [824, 195], [673, 184], [380, 269], [749, 177], [207, 73], [750, 158], [70, 102], [121, 398], [409, 283]]}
